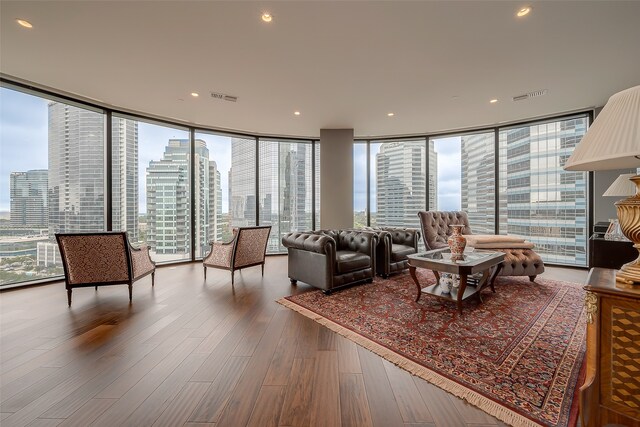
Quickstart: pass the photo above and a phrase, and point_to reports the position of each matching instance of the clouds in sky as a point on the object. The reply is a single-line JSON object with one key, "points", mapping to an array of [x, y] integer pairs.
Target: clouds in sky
{"points": [[23, 137]]}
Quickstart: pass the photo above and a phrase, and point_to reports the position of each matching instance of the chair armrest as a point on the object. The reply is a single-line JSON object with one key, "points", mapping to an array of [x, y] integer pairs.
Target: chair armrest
{"points": [[319, 243], [220, 254], [141, 261]]}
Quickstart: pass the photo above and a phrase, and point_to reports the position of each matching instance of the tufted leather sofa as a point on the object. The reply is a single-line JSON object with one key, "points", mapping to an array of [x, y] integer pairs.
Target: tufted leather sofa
{"points": [[394, 245], [436, 231], [329, 259]]}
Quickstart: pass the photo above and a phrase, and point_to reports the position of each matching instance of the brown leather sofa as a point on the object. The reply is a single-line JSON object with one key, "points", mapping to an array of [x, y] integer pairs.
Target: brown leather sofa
{"points": [[394, 245], [436, 231], [329, 259]]}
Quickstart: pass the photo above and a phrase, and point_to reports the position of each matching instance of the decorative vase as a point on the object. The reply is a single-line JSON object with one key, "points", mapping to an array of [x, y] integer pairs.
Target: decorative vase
{"points": [[456, 241]]}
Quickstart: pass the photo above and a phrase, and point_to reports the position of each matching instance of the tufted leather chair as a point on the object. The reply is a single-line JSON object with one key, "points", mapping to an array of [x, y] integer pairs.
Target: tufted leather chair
{"points": [[436, 231], [394, 245], [329, 259], [101, 259]]}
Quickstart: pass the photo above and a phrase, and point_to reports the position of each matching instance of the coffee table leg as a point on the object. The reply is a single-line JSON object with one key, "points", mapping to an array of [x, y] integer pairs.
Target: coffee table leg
{"points": [[412, 271], [463, 286], [493, 278]]}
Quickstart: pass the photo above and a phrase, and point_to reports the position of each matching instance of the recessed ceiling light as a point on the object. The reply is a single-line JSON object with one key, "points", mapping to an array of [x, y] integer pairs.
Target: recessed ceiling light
{"points": [[523, 12], [266, 17], [195, 94], [297, 113], [493, 101], [25, 24], [390, 114]]}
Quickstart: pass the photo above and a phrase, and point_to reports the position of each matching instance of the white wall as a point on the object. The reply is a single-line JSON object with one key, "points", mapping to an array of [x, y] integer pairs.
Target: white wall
{"points": [[336, 178]]}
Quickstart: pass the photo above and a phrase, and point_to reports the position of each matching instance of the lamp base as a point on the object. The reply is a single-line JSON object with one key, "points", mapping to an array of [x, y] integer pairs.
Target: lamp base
{"points": [[629, 218], [629, 274]]}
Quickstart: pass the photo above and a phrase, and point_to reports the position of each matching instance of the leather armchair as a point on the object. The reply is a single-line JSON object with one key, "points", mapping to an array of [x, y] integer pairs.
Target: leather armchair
{"points": [[329, 259], [436, 231], [394, 245]]}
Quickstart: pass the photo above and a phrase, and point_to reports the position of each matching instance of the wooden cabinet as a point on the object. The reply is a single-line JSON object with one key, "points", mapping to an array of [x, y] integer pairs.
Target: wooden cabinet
{"points": [[610, 394]]}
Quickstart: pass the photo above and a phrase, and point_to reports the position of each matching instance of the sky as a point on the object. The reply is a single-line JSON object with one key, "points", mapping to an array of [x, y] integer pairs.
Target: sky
{"points": [[449, 174], [24, 136]]}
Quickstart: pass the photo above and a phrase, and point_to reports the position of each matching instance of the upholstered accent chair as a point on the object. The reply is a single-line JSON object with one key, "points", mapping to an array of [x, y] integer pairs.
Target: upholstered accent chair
{"points": [[330, 259], [247, 249], [101, 259], [436, 230], [394, 245]]}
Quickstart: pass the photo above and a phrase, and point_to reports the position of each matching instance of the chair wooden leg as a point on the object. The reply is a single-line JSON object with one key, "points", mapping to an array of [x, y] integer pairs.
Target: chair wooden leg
{"points": [[96, 288], [205, 272], [69, 297], [232, 277], [533, 278], [153, 279], [263, 269], [130, 292]]}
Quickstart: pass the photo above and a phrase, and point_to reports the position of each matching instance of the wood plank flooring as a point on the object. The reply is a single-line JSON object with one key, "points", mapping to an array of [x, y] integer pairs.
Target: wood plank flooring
{"points": [[200, 353]]}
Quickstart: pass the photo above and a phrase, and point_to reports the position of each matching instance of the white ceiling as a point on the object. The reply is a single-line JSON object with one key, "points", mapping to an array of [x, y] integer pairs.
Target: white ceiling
{"points": [[342, 64]]}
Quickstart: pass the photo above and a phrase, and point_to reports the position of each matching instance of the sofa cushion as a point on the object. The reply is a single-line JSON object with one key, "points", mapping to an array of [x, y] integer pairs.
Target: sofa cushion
{"points": [[400, 252], [347, 261]]}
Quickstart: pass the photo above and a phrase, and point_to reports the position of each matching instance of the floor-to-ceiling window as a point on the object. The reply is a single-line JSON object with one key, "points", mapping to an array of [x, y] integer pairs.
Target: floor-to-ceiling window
{"points": [[397, 182], [539, 200], [285, 188], [151, 173], [462, 177], [226, 176], [51, 179], [360, 208]]}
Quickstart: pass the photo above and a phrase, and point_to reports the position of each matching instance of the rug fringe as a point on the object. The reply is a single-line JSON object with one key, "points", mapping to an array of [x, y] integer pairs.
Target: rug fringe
{"points": [[487, 405]]}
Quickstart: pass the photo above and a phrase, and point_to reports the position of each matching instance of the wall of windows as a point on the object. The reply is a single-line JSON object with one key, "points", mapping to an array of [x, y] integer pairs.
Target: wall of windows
{"points": [[52, 179], [537, 198], [540, 200], [165, 189]]}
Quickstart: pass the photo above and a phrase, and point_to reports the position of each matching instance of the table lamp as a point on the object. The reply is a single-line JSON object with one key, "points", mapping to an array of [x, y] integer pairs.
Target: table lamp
{"points": [[621, 187], [613, 142]]}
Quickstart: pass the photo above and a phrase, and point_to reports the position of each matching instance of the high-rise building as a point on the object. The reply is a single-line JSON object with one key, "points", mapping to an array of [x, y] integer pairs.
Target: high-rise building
{"points": [[168, 194], [76, 169], [242, 183], [478, 179], [433, 176], [28, 193], [401, 187], [125, 176], [215, 202], [540, 200]]}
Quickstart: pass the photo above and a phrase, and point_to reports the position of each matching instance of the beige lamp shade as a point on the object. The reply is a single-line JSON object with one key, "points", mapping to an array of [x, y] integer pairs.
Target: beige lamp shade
{"points": [[621, 186], [613, 140]]}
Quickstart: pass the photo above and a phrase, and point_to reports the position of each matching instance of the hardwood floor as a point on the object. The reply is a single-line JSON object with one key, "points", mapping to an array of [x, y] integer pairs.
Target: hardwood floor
{"points": [[196, 353]]}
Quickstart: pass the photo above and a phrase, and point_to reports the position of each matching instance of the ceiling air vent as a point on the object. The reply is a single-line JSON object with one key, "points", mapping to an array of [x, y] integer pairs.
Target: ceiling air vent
{"points": [[224, 97], [533, 94]]}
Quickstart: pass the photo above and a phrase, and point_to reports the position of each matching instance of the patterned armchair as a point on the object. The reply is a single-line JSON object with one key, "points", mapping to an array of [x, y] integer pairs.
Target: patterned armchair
{"points": [[101, 259], [247, 249]]}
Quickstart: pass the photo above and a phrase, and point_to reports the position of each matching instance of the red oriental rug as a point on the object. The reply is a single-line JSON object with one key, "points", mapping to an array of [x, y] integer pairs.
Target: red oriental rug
{"points": [[517, 356]]}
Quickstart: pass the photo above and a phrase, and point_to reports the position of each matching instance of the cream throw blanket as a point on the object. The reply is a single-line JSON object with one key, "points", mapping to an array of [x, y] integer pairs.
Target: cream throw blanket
{"points": [[490, 241]]}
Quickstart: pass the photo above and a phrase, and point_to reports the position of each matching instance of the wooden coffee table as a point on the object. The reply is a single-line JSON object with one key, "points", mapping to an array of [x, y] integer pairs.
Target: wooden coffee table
{"points": [[488, 263]]}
